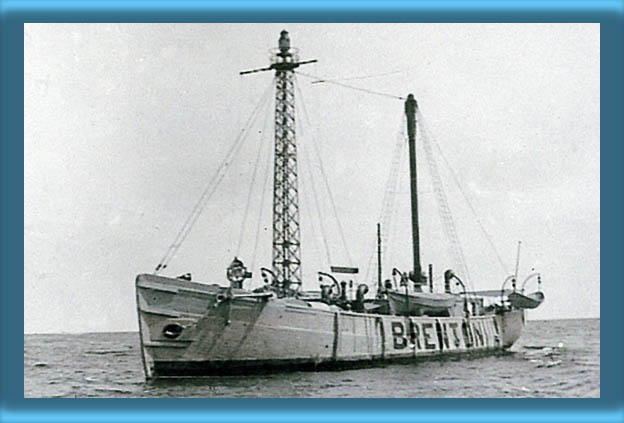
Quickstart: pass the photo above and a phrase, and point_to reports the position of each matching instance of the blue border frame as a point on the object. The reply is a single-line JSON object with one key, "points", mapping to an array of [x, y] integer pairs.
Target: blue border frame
{"points": [[13, 407]]}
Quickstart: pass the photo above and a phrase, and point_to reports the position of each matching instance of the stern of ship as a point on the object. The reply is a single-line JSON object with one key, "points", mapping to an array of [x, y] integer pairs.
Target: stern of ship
{"points": [[511, 324]]}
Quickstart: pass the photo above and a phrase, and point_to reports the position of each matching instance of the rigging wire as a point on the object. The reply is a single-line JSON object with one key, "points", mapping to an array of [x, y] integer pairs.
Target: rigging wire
{"points": [[444, 210], [340, 84], [353, 78], [263, 195], [210, 187], [424, 126], [327, 186], [252, 184], [319, 213], [387, 212], [307, 164], [393, 228]]}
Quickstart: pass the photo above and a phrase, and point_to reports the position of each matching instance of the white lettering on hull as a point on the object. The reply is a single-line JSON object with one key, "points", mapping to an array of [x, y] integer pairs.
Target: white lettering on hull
{"points": [[425, 335]]}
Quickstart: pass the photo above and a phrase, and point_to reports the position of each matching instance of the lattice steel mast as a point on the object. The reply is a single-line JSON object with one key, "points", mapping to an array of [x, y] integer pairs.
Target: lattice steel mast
{"points": [[286, 231]]}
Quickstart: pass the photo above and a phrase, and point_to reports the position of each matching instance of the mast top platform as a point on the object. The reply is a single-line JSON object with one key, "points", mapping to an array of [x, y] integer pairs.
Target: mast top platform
{"points": [[283, 58]]}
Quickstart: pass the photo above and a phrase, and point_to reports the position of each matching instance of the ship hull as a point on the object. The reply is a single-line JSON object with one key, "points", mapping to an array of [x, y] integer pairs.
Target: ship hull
{"points": [[189, 329]]}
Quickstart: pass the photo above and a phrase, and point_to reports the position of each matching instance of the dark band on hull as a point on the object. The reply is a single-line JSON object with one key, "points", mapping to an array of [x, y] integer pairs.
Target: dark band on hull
{"points": [[186, 369]]}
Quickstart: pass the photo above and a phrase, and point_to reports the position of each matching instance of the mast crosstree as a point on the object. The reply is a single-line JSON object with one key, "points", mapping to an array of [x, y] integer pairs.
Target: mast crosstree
{"points": [[286, 231]]}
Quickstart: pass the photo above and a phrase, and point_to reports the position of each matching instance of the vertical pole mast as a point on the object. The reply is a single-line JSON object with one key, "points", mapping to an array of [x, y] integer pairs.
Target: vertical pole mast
{"points": [[410, 111], [430, 278], [515, 279], [379, 283]]}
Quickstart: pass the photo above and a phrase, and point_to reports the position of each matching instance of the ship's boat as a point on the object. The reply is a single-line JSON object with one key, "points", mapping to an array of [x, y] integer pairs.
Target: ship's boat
{"points": [[419, 303], [519, 300], [189, 329]]}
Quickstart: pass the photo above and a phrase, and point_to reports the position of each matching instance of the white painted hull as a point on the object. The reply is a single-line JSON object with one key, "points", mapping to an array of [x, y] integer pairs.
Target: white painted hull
{"points": [[254, 334]]}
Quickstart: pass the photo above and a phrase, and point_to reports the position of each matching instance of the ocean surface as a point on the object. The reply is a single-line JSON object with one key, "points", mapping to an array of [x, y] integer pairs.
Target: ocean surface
{"points": [[554, 358]]}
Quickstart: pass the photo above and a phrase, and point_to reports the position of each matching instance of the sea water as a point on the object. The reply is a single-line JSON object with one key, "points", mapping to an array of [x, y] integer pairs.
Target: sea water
{"points": [[553, 358]]}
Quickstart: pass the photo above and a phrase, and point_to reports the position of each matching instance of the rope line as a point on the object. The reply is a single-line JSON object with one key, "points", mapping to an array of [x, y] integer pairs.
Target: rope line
{"points": [[464, 194], [393, 228], [327, 186], [444, 210], [252, 185], [353, 78], [263, 195], [208, 192], [319, 213], [340, 84], [387, 212], [307, 164]]}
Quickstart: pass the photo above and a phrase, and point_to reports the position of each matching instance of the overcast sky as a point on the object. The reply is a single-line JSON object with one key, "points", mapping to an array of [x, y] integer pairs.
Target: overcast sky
{"points": [[125, 125]]}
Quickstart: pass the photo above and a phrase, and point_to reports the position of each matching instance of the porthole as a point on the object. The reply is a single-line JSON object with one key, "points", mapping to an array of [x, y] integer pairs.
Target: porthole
{"points": [[172, 331]]}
